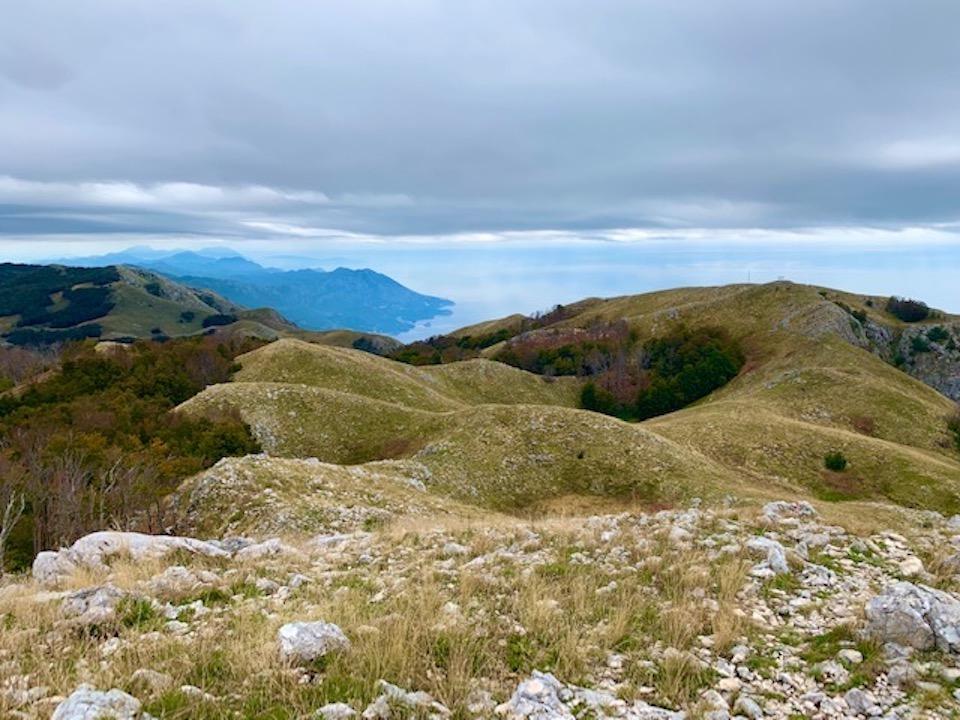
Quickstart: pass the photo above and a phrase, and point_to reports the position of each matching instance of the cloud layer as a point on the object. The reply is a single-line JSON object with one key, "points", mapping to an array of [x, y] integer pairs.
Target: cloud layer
{"points": [[231, 118]]}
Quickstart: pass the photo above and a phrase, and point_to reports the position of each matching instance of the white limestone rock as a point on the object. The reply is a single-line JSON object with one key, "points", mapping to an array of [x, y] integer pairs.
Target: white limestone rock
{"points": [[915, 616], [86, 703], [92, 606], [92, 551], [304, 642]]}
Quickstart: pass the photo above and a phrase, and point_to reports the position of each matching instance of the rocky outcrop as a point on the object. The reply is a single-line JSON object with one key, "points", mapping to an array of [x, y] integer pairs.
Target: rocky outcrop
{"points": [[92, 551], [543, 697], [370, 584], [931, 353], [915, 616]]}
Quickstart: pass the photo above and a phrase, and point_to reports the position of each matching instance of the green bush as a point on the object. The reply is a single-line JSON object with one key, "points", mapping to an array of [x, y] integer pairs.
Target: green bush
{"points": [[907, 310], [678, 369], [938, 334], [919, 344], [221, 319], [953, 425], [835, 461]]}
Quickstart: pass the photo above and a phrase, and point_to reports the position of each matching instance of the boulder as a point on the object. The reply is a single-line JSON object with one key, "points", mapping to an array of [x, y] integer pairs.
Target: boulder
{"points": [[783, 512], [86, 703], [91, 551], [915, 616], [273, 547], [52, 568], [538, 699], [92, 606], [335, 711], [543, 697], [773, 552], [304, 642]]}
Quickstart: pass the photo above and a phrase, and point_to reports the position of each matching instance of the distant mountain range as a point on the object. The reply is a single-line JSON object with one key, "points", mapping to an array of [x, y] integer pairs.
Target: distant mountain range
{"points": [[315, 299]]}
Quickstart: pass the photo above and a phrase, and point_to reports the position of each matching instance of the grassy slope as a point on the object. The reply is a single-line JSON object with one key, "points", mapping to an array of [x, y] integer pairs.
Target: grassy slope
{"points": [[439, 388], [485, 432], [290, 496], [137, 313], [804, 391], [507, 439]]}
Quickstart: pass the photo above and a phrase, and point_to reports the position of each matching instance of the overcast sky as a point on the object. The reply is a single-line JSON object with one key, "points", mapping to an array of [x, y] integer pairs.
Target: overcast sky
{"points": [[455, 121]]}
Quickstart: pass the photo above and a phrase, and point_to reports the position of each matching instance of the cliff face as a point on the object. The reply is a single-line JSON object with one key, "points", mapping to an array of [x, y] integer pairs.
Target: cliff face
{"points": [[932, 355], [928, 351]]}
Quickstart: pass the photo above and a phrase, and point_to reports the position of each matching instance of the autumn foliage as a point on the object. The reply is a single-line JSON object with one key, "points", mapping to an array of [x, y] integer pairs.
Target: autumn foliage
{"points": [[96, 445]]}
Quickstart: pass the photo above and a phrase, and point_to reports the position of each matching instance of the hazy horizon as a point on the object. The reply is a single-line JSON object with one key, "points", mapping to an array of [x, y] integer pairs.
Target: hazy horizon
{"points": [[492, 280]]}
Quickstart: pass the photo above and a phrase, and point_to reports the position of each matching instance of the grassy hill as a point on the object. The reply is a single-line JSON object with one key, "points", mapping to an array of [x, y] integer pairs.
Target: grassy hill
{"points": [[814, 381], [46, 304]]}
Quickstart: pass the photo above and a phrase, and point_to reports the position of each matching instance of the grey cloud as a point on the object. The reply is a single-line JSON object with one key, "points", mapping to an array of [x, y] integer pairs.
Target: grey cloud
{"points": [[438, 116]]}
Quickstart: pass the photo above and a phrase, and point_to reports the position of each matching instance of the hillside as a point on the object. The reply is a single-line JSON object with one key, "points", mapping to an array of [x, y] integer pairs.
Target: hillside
{"points": [[358, 299], [46, 304], [814, 382], [42, 304], [462, 541]]}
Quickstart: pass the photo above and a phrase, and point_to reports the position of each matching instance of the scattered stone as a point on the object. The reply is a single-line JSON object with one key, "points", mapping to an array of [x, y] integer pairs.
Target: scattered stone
{"points": [[911, 567], [849, 656], [773, 551], [198, 694], [783, 512], [861, 702], [747, 706], [86, 703], [335, 711], [304, 642], [151, 679], [92, 606]]}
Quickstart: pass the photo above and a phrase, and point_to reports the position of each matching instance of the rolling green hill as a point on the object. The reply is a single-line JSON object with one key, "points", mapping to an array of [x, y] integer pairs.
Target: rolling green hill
{"points": [[817, 378]]}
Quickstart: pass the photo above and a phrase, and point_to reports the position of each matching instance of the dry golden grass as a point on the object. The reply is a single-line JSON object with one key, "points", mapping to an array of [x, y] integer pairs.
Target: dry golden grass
{"points": [[412, 620]]}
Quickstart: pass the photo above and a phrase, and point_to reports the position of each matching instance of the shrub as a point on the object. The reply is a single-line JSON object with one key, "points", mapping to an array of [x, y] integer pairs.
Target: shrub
{"points": [[28, 288], [919, 344], [600, 400], [864, 424], [187, 316], [858, 315], [214, 320], [907, 310], [835, 461], [687, 366], [953, 425], [938, 334]]}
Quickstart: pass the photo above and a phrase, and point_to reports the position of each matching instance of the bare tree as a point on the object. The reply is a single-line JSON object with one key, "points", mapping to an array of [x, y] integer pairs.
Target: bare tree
{"points": [[12, 512]]}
